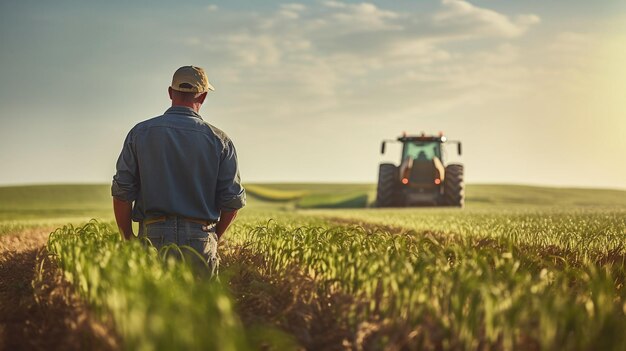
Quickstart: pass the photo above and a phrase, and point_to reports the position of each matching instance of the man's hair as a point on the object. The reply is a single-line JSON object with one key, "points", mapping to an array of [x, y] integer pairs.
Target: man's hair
{"points": [[185, 96]]}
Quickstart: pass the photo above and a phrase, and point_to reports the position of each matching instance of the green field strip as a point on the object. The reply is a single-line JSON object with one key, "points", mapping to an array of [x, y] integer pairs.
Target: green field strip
{"points": [[274, 195], [349, 200], [48, 202]]}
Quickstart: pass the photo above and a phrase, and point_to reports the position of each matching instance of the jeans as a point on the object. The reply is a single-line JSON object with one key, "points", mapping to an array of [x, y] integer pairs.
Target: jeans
{"points": [[186, 234]]}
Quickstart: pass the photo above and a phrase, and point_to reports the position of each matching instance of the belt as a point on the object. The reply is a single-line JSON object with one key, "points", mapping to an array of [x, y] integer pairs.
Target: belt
{"points": [[189, 219]]}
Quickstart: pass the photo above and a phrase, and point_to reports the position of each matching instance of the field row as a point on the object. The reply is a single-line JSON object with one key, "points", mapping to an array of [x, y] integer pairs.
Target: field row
{"points": [[428, 279]]}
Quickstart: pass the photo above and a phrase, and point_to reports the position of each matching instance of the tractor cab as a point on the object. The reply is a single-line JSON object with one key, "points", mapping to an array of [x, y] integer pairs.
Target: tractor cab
{"points": [[420, 177], [421, 151]]}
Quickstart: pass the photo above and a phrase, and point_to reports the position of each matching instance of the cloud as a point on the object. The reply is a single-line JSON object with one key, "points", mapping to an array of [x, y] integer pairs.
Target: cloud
{"points": [[364, 60], [291, 11], [361, 17], [466, 19]]}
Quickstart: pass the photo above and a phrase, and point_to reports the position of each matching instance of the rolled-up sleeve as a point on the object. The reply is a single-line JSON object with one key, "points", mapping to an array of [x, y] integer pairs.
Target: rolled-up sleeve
{"points": [[230, 194], [125, 185]]}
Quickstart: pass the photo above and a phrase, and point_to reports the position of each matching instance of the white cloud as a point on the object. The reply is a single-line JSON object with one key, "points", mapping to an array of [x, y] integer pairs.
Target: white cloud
{"points": [[293, 7], [361, 59], [212, 8], [467, 19], [291, 11], [366, 12], [335, 4]]}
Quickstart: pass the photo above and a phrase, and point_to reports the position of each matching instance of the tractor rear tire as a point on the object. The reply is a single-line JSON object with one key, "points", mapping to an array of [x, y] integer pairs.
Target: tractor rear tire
{"points": [[387, 182], [454, 186]]}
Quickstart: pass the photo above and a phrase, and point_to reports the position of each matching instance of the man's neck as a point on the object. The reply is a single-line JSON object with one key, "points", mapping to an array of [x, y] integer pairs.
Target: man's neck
{"points": [[192, 105]]}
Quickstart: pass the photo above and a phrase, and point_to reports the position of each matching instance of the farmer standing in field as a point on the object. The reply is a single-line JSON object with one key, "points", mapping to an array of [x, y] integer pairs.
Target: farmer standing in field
{"points": [[180, 172]]}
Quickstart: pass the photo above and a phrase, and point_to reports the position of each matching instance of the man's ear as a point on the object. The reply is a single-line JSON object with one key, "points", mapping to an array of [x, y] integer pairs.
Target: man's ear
{"points": [[202, 97], [169, 92]]}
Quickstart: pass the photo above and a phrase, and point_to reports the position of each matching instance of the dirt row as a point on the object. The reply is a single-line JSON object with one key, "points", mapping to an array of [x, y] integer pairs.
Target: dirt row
{"points": [[317, 316], [38, 309]]}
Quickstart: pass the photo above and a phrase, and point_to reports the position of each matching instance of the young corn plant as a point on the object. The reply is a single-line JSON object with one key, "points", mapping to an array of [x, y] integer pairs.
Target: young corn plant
{"points": [[155, 304], [453, 294]]}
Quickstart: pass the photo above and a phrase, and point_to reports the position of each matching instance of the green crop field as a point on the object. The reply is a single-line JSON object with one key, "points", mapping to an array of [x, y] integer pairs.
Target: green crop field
{"points": [[315, 266]]}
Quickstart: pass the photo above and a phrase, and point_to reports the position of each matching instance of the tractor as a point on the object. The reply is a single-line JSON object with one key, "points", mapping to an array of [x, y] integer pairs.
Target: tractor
{"points": [[421, 178]]}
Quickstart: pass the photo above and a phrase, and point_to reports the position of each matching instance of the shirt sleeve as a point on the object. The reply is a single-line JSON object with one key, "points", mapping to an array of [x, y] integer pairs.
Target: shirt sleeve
{"points": [[125, 185], [230, 194]]}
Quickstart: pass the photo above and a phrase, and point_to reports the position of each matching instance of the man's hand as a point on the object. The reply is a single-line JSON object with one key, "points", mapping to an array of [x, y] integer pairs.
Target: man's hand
{"points": [[123, 212], [226, 217]]}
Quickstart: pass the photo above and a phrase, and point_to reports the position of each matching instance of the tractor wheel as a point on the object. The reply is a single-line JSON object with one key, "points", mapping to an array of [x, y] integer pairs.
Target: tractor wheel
{"points": [[387, 179], [454, 186]]}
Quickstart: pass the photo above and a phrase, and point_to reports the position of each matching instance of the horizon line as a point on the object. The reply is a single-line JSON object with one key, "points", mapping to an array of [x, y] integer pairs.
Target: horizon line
{"points": [[534, 185]]}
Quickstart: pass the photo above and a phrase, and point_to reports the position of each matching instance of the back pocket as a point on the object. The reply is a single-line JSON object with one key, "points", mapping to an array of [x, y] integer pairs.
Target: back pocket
{"points": [[202, 245]]}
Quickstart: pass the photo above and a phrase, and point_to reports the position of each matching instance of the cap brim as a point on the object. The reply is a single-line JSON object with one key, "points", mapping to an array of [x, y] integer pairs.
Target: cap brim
{"points": [[191, 90]]}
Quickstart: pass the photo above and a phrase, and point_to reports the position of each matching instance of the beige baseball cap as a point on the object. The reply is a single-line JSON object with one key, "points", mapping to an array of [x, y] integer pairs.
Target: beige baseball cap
{"points": [[191, 79]]}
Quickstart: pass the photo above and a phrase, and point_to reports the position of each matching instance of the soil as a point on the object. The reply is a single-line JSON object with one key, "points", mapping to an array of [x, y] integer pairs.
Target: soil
{"points": [[38, 308]]}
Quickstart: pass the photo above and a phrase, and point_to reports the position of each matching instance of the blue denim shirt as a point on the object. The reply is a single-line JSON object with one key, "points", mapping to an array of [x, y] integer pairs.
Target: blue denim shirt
{"points": [[177, 164]]}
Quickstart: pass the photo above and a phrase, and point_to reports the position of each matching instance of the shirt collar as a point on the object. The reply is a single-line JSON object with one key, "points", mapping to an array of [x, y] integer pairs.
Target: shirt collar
{"points": [[182, 110]]}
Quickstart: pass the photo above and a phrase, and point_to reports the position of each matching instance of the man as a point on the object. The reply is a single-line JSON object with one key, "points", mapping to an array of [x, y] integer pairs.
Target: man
{"points": [[180, 172]]}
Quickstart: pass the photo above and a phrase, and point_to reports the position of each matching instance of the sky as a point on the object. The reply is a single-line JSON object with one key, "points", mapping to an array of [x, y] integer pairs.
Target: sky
{"points": [[535, 90]]}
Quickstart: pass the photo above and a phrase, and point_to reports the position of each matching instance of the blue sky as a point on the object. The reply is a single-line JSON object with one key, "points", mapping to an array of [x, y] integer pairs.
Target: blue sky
{"points": [[307, 90]]}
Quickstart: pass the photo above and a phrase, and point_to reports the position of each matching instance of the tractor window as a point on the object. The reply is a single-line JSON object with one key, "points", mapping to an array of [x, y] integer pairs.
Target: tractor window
{"points": [[421, 151]]}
